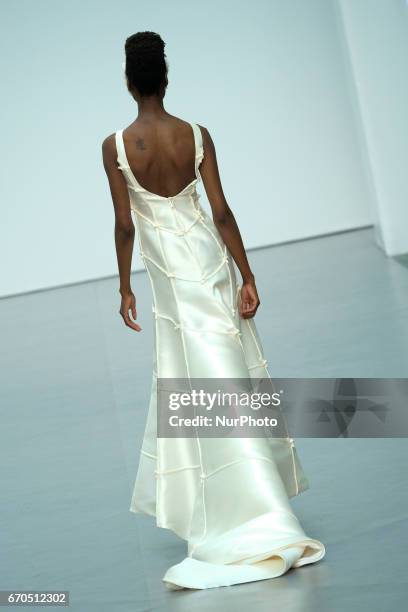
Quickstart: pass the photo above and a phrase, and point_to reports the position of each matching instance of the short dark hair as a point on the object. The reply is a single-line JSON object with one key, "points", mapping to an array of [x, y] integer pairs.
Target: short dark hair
{"points": [[146, 67]]}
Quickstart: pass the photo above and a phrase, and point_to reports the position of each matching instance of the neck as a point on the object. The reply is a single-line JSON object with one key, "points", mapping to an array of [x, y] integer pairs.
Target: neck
{"points": [[151, 107]]}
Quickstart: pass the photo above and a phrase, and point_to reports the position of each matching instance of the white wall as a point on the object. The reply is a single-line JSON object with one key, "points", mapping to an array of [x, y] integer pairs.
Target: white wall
{"points": [[269, 79], [377, 40]]}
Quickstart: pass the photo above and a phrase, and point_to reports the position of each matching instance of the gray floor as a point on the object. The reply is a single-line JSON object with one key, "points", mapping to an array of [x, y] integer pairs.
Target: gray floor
{"points": [[74, 394]]}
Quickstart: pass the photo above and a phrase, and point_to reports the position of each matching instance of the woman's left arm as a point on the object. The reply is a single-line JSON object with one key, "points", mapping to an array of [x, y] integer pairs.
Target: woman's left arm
{"points": [[124, 229]]}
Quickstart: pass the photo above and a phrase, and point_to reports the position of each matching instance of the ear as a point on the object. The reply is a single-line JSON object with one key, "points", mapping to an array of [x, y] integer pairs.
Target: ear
{"points": [[166, 80]]}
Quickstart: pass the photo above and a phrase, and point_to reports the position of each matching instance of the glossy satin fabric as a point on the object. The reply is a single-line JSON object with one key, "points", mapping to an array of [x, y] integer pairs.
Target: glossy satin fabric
{"points": [[228, 498]]}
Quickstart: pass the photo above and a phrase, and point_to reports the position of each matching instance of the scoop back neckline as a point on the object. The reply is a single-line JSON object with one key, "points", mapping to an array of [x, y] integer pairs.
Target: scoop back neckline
{"points": [[157, 195]]}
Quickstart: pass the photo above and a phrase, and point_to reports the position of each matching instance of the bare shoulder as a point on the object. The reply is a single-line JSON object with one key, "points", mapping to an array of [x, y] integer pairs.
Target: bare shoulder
{"points": [[108, 142], [203, 129], [207, 140], [109, 150]]}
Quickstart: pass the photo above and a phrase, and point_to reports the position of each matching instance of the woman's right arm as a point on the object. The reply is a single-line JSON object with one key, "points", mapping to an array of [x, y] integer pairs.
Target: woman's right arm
{"points": [[124, 230], [227, 226]]}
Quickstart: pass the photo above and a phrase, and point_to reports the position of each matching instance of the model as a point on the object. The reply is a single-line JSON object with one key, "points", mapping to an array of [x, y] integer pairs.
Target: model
{"points": [[227, 497]]}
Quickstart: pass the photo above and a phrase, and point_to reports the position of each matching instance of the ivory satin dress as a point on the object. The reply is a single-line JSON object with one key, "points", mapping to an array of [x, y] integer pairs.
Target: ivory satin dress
{"points": [[227, 497]]}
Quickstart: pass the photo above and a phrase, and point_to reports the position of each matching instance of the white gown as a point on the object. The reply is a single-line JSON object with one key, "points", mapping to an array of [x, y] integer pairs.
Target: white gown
{"points": [[228, 498]]}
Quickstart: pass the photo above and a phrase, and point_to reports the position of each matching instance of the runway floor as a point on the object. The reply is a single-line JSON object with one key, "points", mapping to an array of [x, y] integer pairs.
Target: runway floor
{"points": [[75, 386]]}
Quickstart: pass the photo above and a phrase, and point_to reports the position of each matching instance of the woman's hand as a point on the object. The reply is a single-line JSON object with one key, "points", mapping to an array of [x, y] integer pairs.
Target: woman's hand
{"points": [[128, 303], [249, 299]]}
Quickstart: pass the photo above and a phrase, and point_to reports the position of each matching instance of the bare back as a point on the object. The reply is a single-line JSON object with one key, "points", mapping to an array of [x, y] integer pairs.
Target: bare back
{"points": [[161, 154]]}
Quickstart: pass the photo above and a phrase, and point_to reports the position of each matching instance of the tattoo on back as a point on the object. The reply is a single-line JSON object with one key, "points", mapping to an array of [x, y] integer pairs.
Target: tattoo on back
{"points": [[140, 144]]}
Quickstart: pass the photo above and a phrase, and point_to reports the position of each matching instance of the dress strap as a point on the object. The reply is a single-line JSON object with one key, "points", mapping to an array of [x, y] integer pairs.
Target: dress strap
{"points": [[199, 149], [120, 150]]}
